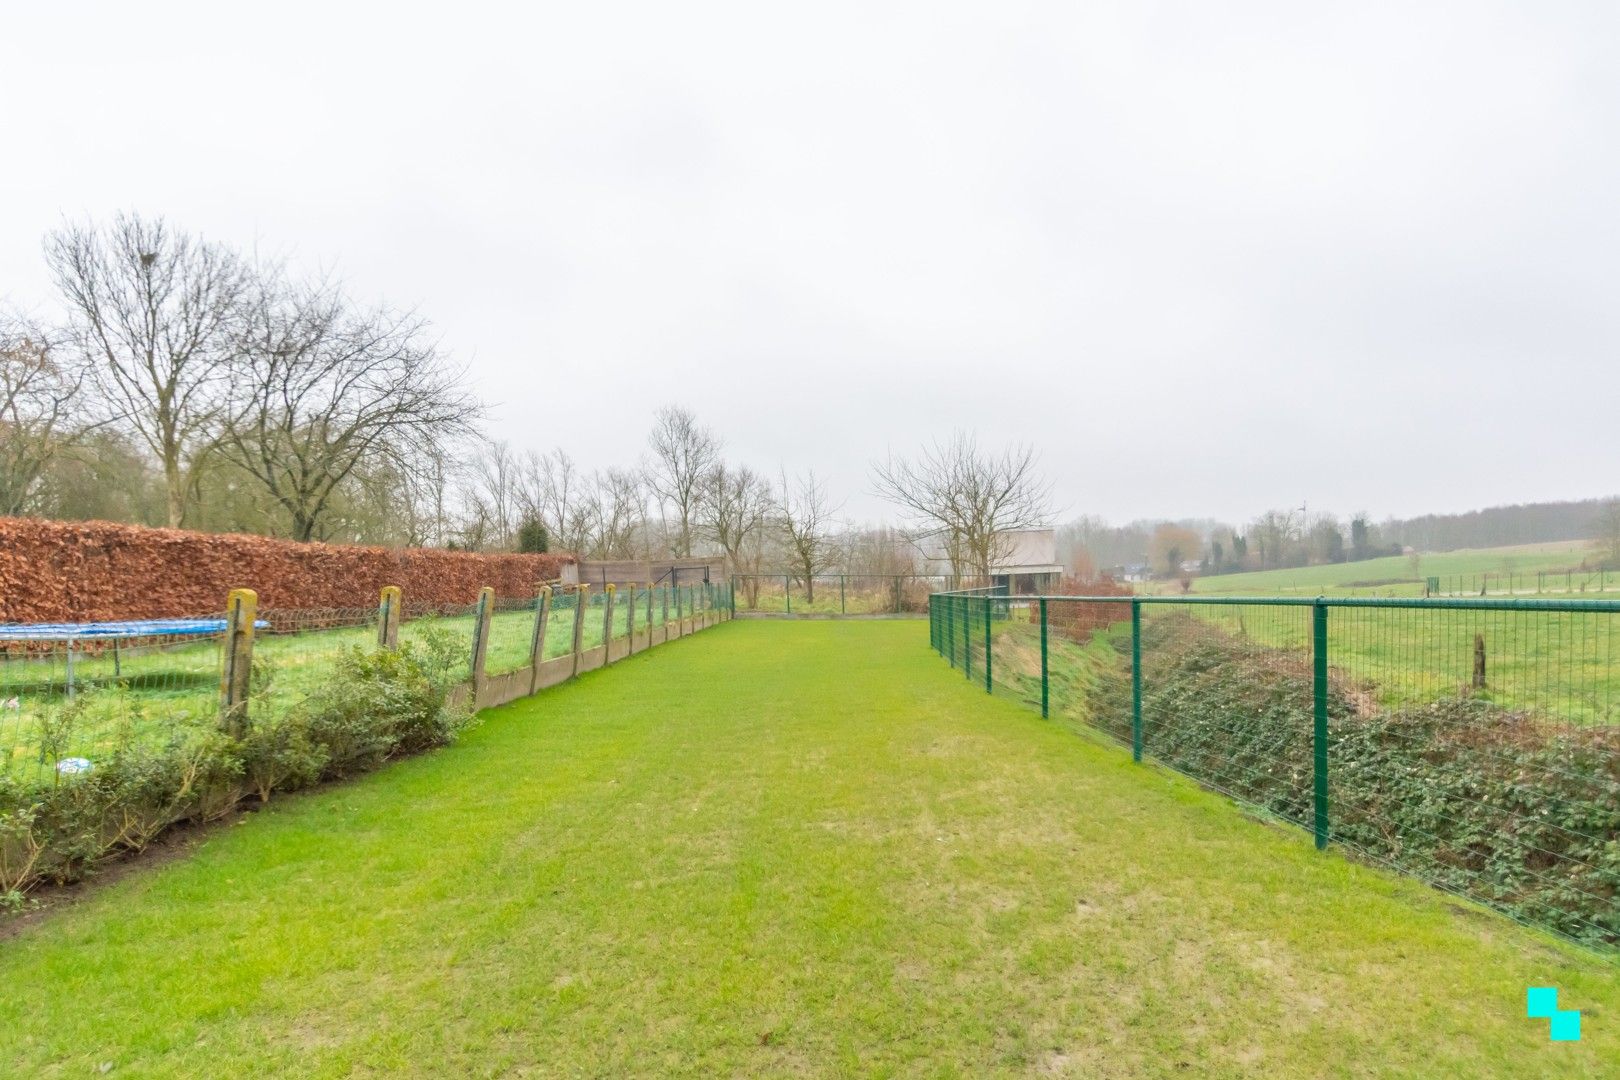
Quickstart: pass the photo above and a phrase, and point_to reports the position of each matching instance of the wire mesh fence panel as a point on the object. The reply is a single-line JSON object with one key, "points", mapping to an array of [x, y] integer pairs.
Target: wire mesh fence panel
{"points": [[758, 593], [835, 594], [590, 635], [511, 634], [67, 699], [1479, 749], [623, 599], [1227, 698], [560, 625], [445, 632], [1472, 743], [297, 652]]}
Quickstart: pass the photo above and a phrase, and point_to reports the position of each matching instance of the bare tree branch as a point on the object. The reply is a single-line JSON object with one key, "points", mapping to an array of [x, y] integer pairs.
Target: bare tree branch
{"points": [[968, 498], [155, 311], [683, 453]]}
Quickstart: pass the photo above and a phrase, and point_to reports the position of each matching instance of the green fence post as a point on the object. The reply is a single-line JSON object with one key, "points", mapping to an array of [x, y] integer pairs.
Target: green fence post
{"points": [[1046, 690], [787, 592], [841, 610], [967, 639], [949, 612], [1319, 736], [1136, 680], [987, 611]]}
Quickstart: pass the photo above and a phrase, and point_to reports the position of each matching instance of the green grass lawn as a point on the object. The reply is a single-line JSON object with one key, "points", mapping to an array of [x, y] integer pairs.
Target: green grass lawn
{"points": [[780, 849]]}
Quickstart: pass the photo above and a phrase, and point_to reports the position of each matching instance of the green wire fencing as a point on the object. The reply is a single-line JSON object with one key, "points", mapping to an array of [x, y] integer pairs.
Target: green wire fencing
{"points": [[836, 594], [1471, 742]]}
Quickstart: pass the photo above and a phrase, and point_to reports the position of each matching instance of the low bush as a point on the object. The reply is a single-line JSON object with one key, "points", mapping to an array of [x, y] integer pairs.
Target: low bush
{"points": [[375, 705]]}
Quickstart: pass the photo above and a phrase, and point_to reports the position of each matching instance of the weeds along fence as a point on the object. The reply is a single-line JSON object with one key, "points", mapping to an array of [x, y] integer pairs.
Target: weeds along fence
{"points": [[1474, 743], [73, 694], [835, 594]]}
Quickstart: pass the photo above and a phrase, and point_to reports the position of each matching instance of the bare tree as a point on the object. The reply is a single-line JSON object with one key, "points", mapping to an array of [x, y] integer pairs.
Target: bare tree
{"points": [[553, 490], [969, 499], [154, 309], [619, 507], [325, 387], [1608, 532], [735, 504], [807, 524], [683, 453], [496, 494], [40, 414]]}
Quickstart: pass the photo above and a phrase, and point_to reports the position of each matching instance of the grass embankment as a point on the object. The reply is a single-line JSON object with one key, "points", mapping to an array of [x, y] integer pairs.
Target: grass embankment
{"points": [[780, 849]]}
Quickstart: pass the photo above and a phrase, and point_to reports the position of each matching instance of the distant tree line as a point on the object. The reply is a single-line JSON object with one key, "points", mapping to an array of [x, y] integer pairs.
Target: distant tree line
{"points": [[1090, 546]]}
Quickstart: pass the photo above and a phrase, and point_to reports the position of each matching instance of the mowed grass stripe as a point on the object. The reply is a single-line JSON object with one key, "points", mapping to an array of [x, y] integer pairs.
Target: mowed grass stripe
{"points": [[779, 849]]}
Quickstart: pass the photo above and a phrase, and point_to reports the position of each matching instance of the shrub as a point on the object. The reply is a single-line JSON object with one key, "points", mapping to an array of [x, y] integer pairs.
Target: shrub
{"points": [[376, 704], [381, 703]]}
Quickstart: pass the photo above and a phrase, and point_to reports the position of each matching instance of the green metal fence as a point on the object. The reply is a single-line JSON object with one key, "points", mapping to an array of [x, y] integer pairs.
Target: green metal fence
{"points": [[1472, 742]]}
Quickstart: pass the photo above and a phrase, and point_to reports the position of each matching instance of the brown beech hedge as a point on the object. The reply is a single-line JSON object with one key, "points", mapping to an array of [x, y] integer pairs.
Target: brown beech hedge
{"points": [[55, 571]]}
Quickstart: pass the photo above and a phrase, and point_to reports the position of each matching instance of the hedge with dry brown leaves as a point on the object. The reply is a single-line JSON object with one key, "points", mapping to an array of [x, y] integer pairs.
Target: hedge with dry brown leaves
{"points": [[55, 571]]}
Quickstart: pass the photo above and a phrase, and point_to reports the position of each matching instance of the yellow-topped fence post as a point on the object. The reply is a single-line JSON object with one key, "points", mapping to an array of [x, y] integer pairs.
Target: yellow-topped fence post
{"points": [[388, 617], [236, 669]]}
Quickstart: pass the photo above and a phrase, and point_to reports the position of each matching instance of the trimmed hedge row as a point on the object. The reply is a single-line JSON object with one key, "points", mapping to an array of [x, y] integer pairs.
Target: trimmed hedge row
{"points": [[58, 571]]}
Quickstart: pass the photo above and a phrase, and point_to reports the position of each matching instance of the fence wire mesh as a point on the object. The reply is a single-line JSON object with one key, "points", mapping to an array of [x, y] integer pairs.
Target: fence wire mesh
{"points": [[834, 594], [68, 699], [1472, 743]]}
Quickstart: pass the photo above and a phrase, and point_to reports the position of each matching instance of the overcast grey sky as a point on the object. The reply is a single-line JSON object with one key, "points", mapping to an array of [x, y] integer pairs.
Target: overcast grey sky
{"points": [[1208, 258]]}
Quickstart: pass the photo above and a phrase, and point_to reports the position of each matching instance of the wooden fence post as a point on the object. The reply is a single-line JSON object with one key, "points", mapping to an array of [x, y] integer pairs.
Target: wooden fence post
{"points": [[388, 617], [630, 622], [486, 611], [537, 644], [236, 670], [581, 598], [607, 623]]}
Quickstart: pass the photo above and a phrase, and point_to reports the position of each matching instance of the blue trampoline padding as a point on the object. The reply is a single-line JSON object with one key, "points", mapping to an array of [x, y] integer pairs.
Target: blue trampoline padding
{"points": [[127, 629]]}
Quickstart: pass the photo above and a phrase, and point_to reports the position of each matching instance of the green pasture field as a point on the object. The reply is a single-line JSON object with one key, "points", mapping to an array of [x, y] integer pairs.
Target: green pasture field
{"points": [[1394, 575], [1564, 667], [156, 692], [780, 849]]}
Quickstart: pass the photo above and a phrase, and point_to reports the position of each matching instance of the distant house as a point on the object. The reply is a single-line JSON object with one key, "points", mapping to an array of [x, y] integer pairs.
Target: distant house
{"points": [[1027, 563]]}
